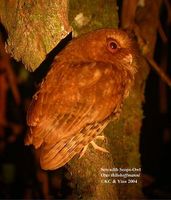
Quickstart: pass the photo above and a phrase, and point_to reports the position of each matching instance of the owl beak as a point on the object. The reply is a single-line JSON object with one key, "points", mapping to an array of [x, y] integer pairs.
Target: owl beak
{"points": [[128, 58]]}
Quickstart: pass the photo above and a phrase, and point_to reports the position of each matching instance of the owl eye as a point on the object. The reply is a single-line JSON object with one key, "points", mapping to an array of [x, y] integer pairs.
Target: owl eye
{"points": [[112, 45]]}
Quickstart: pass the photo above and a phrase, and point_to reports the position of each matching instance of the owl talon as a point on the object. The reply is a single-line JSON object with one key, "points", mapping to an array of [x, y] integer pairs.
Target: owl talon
{"points": [[100, 137], [98, 148], [83, 151]]}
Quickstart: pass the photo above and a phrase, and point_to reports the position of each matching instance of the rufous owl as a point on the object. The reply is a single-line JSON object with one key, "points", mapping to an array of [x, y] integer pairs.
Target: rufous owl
{"points": [[83, 91]]}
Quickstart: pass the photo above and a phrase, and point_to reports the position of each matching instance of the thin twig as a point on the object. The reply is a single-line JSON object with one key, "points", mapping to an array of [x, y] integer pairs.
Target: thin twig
{"points": [[10, 74], [162, 33], [154, 65], [13, 83], [159, 71]]}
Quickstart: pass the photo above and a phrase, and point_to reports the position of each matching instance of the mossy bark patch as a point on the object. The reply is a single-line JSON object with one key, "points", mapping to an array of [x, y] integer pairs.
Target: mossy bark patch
{"points": [[34, 28]]}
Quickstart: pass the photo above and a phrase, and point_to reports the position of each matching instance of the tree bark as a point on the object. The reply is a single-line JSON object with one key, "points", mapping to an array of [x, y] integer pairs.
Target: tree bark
{"points": [[85, 16], [123, 136]]}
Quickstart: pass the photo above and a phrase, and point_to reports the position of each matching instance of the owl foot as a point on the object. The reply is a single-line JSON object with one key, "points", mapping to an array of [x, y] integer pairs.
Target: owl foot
{"points": [[83, 151], [100, 137], [98, 147], [95, 146]]}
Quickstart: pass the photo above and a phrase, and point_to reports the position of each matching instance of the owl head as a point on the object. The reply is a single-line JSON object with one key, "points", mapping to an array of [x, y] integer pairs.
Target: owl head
{"points": [[104, 45]]}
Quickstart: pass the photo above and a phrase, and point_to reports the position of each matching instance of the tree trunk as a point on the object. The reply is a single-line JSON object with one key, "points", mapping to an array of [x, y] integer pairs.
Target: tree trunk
{"points": [[123, 136]]}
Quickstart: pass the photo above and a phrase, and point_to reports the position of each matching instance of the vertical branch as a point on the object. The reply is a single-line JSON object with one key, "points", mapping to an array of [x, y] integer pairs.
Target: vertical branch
{"points": [[86, 172]]}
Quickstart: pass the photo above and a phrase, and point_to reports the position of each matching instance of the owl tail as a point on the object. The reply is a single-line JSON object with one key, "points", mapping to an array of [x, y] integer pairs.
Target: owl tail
{"points": [[56, 156]]}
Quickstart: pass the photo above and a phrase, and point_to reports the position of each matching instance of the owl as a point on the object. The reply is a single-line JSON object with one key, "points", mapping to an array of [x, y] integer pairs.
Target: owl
{"points": [[83, 91]]}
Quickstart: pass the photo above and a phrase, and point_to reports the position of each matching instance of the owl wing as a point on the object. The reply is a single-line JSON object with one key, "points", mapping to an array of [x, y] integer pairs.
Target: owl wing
{"points": [[71, 98], [57, 155]]}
